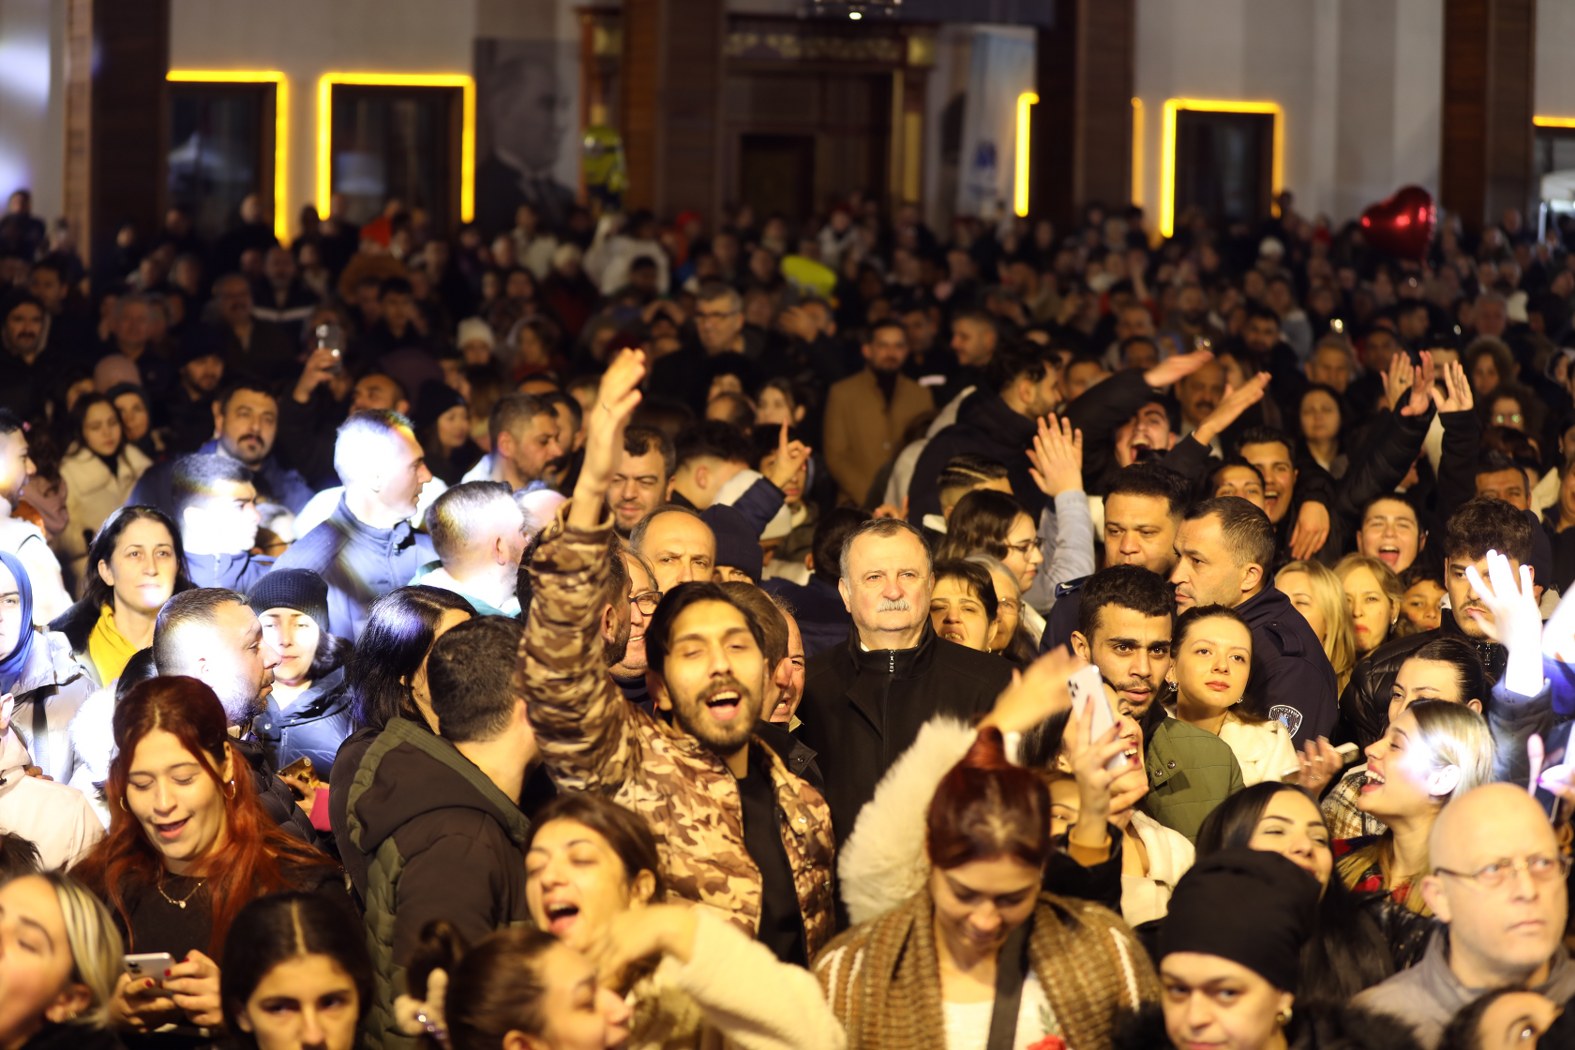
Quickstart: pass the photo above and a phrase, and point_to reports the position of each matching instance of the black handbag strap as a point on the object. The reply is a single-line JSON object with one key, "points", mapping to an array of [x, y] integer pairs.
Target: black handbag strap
{"points": [[1011, 969]]}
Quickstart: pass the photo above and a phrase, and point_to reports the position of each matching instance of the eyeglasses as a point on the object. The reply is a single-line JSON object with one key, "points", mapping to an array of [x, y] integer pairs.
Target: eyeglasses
{"points": [[1541, 868], [1514, 418], [1026, 545], [646, 600]]}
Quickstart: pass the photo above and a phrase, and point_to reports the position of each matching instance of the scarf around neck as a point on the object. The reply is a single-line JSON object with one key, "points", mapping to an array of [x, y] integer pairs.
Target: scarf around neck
{"points": [[108, 648]]}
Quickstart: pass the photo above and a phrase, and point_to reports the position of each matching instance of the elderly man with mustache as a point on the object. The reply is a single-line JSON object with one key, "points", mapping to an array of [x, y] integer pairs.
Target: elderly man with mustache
{"points": [[865, 701]]}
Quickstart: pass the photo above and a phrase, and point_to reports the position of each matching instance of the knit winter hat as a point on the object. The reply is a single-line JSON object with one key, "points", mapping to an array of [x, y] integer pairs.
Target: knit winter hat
{"points": [[435, 398], [1249, 906], [299, 589], [474, 330]]}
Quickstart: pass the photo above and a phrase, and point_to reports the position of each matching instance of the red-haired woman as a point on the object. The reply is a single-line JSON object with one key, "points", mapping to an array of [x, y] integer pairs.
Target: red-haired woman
{"points": [[981, 948], [188, 847]]}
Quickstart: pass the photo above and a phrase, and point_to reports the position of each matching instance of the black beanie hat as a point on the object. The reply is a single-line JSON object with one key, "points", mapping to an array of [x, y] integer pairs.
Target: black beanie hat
{"points": [[299, 589], [1249, 906], [435, 398]]}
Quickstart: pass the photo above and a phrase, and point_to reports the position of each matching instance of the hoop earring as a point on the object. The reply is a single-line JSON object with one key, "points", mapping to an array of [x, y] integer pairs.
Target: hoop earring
{"points": [[123, 808], [229, 789]]}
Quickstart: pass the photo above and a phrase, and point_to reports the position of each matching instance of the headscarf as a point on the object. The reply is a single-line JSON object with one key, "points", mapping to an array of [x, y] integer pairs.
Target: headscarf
{"points": [[12, 664]]}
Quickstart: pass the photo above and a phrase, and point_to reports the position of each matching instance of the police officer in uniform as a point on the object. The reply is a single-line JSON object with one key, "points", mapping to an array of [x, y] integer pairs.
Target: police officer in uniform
{"points": [[1225, 550]]}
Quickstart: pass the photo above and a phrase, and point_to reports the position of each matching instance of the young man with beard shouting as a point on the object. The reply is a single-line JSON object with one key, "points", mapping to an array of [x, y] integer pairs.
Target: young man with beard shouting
{"points": [[736, 829]]}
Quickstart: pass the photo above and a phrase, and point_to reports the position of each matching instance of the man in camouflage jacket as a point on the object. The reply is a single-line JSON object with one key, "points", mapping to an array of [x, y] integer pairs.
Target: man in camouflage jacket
{"points": [[592, 739]]}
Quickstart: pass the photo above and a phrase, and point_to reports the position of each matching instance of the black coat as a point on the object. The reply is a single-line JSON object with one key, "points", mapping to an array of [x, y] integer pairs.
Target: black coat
{"points": [[985, 427], [1364, 706], [276, 798], [72, 1037], [862, 710]]}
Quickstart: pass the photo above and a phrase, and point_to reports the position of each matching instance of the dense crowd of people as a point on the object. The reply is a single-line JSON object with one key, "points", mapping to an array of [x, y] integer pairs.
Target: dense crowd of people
{"points": [[579, 636]]}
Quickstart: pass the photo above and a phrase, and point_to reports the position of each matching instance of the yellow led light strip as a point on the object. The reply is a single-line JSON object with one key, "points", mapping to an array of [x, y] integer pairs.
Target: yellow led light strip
{"points": [[1167, 147], [1137, 151], [1025, 105], [467, 135], [1554, 122], [281, 127]]}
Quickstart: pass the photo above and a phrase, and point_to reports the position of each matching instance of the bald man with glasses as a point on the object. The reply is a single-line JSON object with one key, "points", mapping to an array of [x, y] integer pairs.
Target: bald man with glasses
{"points": [[1498, 887]]}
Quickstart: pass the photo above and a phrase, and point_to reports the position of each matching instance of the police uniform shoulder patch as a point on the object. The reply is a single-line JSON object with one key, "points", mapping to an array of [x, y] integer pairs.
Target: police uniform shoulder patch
{"points": [[1287, 716]]}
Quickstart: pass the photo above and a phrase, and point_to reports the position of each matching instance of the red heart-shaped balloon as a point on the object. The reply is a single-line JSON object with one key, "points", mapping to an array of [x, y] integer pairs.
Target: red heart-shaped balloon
{"points": [[1402, 225]]}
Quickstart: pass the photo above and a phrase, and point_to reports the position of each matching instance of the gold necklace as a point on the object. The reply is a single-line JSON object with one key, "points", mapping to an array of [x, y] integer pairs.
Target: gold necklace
{"points": [[181, 904]]}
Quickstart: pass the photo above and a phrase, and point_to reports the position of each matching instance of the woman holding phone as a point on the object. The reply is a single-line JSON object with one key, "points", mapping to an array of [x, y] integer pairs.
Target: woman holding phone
{"points": [[189, 845]]}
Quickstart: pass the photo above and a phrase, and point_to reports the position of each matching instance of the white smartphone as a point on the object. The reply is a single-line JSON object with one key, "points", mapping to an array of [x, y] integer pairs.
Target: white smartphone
{"points": [[1349, 753], [150, 965], [1087, 689]]}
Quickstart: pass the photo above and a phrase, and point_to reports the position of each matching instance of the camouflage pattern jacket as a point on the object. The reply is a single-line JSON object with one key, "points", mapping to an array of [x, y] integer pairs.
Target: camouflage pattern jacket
{"points": [[592, 739]]}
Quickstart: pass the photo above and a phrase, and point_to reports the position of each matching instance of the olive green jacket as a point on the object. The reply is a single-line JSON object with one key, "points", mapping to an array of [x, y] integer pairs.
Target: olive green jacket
{"points": [[1190, 771]]}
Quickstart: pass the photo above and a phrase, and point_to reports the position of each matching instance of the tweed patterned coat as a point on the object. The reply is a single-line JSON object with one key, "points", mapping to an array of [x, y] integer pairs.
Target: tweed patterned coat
{"points": [[883, 978], [592, 739]]}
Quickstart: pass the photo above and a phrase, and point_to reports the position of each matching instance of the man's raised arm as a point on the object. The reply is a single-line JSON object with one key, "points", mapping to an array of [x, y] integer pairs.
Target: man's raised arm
{"points": [[581, 720]]}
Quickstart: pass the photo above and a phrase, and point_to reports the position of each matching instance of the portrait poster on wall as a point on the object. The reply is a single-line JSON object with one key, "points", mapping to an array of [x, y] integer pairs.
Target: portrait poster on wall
{"points": [[527, 148]]}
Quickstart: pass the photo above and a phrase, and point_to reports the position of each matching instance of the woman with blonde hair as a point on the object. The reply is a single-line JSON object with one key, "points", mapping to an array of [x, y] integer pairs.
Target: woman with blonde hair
{"points": [[1316, 593], [1432, 751], [1372, 598], [58, 986]]}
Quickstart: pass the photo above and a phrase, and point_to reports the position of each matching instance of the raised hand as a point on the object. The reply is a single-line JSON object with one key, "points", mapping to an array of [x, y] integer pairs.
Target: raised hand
{"points": [[616, 400], [1457, 396], [1558, 634], [1311, 531], [320, 367], [1397, 381], [1035, 693], [1102, 792], [1513, 619], [1176, 368], [1420, 398], [1231, 406], [1055, 461], [791, 455]]}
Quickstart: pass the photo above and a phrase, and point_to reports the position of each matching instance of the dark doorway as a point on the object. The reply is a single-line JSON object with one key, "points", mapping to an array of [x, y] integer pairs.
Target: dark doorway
{"points": [[1225, 164], [221, 149], [776, 173], [399, 142]]}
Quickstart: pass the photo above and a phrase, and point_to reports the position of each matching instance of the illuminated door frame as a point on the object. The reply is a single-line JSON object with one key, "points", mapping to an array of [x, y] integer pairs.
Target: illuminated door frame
{"points": [[467, 127], [1167, 147], [281, 127]]}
